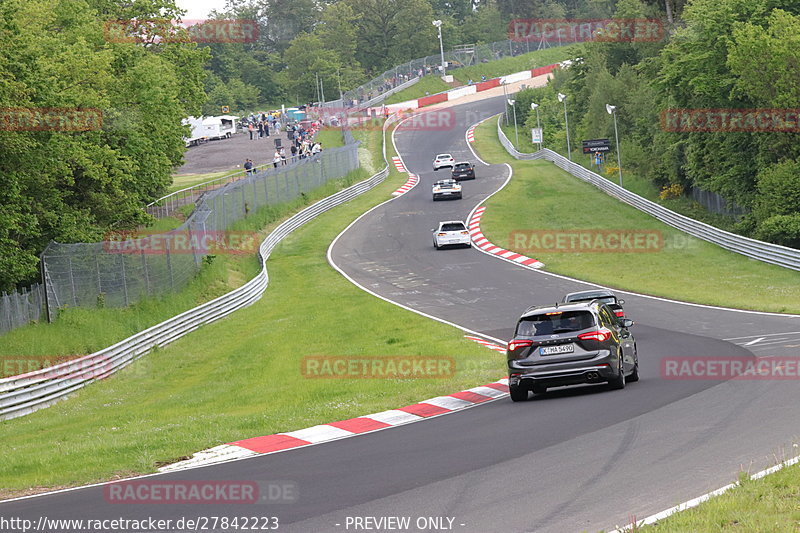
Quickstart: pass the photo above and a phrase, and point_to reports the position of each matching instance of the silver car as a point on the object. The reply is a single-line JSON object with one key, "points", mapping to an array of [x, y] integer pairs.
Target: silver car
{"points": [[444, 189]]}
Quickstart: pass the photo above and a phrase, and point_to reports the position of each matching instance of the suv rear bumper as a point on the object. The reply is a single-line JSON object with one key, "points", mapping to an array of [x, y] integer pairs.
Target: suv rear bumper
{"points": [[600, 370]]}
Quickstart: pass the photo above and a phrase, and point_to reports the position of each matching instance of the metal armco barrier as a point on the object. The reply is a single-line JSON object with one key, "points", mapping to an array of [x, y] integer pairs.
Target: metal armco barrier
{"points": [[752, 248], [26, 393]]}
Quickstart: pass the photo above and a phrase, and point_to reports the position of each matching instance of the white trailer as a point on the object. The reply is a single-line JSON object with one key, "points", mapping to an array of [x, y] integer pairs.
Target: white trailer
{"points": [[222, 127], [197, 134]]}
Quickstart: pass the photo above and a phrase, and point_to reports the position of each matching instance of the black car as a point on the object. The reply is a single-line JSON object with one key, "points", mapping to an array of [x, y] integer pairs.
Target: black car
{"points": [[570, 344], [463, 171], [607, 297]]}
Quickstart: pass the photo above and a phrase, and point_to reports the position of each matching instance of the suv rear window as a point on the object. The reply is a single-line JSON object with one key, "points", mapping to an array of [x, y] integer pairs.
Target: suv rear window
{"points": [[559, 322], [462, 166], [453, 227], [603, 297]]}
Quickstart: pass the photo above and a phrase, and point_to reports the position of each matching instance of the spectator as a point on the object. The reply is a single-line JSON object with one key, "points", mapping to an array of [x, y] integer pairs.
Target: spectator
{"points": [[293, 149], [316, 149], [251, 129], [283, 155], [276, 159], [260, 130], [248, 166]]}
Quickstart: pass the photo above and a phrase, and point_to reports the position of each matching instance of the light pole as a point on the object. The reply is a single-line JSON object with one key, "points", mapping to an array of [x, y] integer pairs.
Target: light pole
{"points": [[563, 98], [438, 24], [538, 124], [514, 109], [612, 110]]}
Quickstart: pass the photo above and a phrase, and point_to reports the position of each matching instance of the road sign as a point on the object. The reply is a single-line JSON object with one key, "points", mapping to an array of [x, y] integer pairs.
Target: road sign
{"points": [[596, 145], [226, 109], [536, 135]]}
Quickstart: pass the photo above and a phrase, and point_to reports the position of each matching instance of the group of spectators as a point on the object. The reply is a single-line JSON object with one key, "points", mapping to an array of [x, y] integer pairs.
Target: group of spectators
{"points": [[261, 125], [301, 143]]}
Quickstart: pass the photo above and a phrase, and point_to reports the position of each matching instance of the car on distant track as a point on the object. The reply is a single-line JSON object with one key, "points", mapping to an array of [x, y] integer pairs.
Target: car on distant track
{"points": [[605, 296], [443, 189], [570, 344], [442, 161], [464, 171], [451, 232]]}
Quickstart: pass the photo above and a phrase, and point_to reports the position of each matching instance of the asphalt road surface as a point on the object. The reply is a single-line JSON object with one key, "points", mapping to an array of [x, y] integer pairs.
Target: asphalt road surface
{"points": [[580, 459]]}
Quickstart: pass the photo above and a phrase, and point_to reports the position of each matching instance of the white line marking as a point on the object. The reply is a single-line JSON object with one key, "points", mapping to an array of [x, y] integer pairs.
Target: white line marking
{"points": [[754, 341], [762, 335]]}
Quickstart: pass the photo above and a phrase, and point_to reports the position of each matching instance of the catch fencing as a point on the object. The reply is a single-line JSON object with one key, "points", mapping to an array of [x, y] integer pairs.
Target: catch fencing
{"points": [[755, 249], [120, 272], [21, 307]]}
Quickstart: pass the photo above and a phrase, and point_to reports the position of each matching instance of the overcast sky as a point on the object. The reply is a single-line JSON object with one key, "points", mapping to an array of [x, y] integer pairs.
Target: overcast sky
{"points": [[198, 9]]}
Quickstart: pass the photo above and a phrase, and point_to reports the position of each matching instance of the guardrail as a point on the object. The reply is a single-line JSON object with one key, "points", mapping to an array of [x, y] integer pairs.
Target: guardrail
{"points": [[26, 393], [752, 248]]}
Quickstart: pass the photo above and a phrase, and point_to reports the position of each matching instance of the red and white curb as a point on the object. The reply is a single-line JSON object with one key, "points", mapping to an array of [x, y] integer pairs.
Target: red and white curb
{"points": [[398, 164], [346, 428], [413, 179], [471, 134], [483, 342], [483, 243]]}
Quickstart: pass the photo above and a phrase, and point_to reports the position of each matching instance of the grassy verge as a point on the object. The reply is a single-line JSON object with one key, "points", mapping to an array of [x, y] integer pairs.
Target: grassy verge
{"points": [[428, 84], [240, 377], [767, 505], [632, 182], [79, 331], [182, 181], [433, 84], [543, 197]]}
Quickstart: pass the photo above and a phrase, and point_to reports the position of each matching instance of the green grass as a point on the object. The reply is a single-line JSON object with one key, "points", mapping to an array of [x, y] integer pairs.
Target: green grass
{"points": [[240, 377], [766, 505], [182, 181], [543, 197], [633, 182], [509, 65], [433, 84], [330, 137]]}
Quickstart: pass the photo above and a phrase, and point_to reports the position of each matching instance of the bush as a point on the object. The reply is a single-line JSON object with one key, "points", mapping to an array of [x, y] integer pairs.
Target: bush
{"points": [[781, 229], [778, 191]]}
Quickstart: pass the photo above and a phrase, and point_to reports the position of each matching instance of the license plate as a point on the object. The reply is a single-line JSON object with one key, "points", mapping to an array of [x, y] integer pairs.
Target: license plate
{"points": [[445, 193], [553, 350]]}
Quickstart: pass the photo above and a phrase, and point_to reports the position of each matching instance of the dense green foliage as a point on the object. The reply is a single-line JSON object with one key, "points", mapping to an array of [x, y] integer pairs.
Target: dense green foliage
{"points": [[727, 54], [75, 185]]}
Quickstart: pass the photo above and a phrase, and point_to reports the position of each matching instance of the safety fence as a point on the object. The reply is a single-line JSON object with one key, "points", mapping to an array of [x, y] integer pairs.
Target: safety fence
{"points": [[755, 249], [128, 267], [26, 393], [21, 307]]}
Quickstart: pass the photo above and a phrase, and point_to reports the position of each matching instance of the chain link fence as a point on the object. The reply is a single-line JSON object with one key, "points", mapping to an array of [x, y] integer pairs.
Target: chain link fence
{"points": [[120, 272], [21, 307], [717, 204], [417, 68]]}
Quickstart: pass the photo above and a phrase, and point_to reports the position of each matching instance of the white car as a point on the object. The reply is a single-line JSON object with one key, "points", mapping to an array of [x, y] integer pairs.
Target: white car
{"points": [[443, 160], [451, 232], [446, 189]]}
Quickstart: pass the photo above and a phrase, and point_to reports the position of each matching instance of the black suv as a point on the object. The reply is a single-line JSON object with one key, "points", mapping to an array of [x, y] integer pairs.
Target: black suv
{"points": [[607, 297], [463, 171], [570, 344]]}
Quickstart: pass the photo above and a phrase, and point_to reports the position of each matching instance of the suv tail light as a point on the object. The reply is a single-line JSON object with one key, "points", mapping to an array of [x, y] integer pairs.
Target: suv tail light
{"points": [[601, 335], [619, 313], [516, 344]]}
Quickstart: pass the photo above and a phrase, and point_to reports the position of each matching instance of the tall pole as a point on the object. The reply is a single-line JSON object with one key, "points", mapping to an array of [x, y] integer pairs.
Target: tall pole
{"points": [[505, 102], [438, 24], [616, 138], [563, 98], [514, 110], [538, 124]]}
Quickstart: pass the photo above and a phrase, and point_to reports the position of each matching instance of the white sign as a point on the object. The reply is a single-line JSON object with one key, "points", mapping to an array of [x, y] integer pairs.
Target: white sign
{"points": [[536, 135]]}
